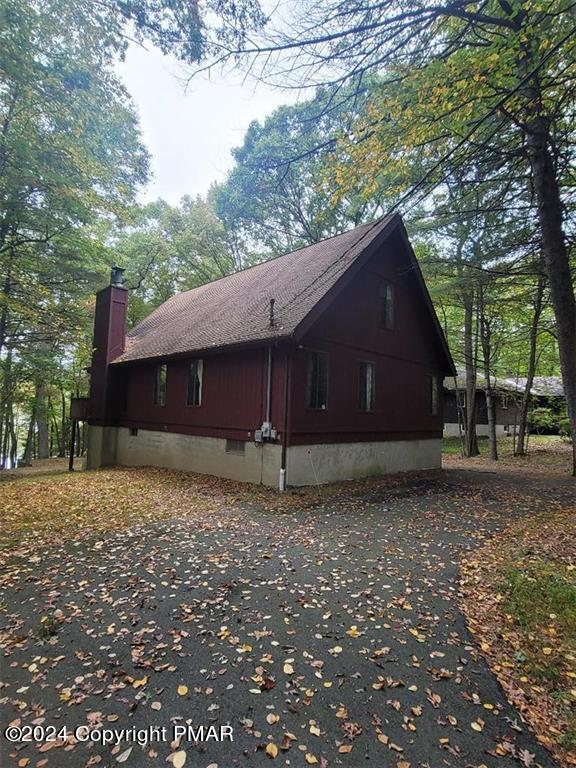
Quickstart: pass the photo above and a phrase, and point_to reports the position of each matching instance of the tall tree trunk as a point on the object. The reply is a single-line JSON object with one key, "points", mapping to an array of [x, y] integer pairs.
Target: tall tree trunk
{"points": [[6, 289], [521, 441], [55, 435], [42, 420], [29, 444], [5, 399], [555, 253], [485, 336], [4, 450], [63, 423], [470, 437], [13, 449]]}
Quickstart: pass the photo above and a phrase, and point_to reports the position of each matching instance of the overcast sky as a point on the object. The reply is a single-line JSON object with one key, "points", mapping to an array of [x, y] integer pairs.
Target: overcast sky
{"points": [[190, 132]]}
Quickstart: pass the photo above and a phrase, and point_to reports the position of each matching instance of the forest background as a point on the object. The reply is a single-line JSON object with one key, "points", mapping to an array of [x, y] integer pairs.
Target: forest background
{"points": [[461, 117]]}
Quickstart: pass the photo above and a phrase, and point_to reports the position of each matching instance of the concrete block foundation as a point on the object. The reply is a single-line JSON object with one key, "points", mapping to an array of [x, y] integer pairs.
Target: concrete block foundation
{"points": [[305, 464], [328, 463]]}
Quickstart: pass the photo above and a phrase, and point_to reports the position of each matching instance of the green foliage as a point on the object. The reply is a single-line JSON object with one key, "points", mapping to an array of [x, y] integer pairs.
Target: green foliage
{"points": [[71, 161], [543, 419], [279, 194], [168, 249]]}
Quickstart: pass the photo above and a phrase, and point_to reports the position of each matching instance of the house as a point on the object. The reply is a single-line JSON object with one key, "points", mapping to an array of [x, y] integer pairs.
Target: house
{"points": [[507, 393], [322, 364]]}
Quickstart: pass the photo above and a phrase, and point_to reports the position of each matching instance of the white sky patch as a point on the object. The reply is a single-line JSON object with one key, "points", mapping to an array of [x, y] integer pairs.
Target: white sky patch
{"points": [[190, 130]]}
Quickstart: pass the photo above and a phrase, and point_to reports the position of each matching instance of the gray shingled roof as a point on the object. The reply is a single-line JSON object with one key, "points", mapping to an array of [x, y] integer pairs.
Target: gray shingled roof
{"points": [[542, 386], [235, 309]]}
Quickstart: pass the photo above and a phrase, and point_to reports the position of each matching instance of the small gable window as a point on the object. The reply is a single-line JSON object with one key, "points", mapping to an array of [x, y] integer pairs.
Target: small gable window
{"points": [[434, 384], [387, 305], [317, 384], [366, 376], [160, 385], [195, 370]]}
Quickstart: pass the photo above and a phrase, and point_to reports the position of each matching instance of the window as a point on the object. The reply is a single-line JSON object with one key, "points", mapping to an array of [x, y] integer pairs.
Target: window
{"points": [[195, 370], [133, 431], [317, 390], [387, 305], [504, 401], [235, 446], [434, 395], [160, 385], [366, 372]]}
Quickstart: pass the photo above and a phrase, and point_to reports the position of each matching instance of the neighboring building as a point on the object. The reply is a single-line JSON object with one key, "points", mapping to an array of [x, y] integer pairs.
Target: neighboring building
{"points": [[507, 394], [322, 364]]}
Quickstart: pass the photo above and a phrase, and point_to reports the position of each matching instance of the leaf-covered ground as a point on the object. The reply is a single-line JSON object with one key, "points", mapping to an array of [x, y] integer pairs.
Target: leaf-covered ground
{"points": [[323, 626], [520, 596], [546, 454]]}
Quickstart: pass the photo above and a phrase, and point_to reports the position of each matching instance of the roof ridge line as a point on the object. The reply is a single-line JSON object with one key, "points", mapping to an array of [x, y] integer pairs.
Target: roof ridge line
{"points": [[286, 253]]}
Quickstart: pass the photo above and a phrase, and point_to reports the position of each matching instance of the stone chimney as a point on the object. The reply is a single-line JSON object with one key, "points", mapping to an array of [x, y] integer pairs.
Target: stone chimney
{"points": [[108, 342]]}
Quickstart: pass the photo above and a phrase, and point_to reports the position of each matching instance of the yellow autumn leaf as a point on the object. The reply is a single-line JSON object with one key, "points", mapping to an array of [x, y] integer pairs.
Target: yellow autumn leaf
{"points": [[178, 758], [271, 750], [244, 648], [182, 690]]}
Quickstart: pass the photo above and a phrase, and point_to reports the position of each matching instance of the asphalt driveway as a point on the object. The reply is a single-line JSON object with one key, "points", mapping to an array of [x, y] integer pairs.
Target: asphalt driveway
{"points": [[328, 635]]}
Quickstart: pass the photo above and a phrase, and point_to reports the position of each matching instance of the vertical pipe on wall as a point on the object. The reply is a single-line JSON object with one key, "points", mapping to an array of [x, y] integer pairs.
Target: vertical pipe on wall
{"points": [[269, 387], [282, 477]]}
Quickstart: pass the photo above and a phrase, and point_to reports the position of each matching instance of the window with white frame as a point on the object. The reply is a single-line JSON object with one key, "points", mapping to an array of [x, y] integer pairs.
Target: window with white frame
{"points": [[434, 395], [366, 382], [317, 380], [160, 385], [387, 306], [194, 392]]}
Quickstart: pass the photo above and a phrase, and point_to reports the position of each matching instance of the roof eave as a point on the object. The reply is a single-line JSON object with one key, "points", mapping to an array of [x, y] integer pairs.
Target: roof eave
{"points": [[236, 346]]}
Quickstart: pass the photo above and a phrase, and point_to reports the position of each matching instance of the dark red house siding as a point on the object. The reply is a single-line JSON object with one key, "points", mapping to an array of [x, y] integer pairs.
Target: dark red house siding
{"points": [[350, 331], [405, 357], [233, 395]]}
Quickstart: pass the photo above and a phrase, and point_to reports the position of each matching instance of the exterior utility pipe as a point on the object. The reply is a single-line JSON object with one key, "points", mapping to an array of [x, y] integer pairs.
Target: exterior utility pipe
{"points": [[269, 388], [282, 475]]}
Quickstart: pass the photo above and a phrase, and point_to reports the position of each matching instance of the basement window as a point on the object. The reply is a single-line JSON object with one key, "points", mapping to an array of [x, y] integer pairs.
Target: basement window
{"points": [[387, 306], [235, 446], [160, 385], [317, 382], [366, 378], [195, 371]]}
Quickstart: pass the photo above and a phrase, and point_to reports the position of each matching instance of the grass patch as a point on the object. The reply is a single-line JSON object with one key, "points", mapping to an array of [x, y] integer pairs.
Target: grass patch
{"points": [[541, 593], [520, 600]]}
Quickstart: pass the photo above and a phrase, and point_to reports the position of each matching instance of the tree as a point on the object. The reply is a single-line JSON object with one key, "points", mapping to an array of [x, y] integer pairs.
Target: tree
{"points": [[167, 249], [280, 195], [70, 156]]}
